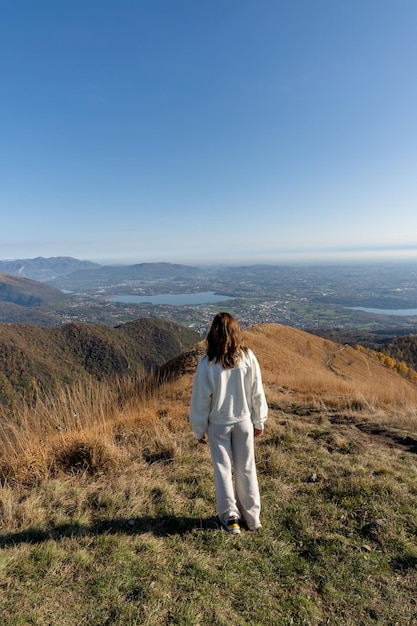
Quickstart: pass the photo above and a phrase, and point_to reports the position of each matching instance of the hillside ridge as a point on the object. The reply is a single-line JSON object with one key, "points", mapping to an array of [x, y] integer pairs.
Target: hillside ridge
{"points": [[29, 293], [34, 358], [313, 378], [300, 366]]}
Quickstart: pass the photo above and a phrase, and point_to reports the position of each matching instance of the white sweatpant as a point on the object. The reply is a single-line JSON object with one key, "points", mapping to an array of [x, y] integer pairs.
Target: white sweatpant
{"points": [[232, 449]]}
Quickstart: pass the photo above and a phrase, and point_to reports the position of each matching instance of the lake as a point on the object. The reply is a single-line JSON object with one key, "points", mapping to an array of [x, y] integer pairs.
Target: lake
{"points": [[401, 312], [175, 299]]}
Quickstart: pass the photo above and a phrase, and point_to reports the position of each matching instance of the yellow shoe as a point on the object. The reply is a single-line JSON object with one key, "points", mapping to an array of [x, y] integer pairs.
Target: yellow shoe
{"points": [[232, 526]]}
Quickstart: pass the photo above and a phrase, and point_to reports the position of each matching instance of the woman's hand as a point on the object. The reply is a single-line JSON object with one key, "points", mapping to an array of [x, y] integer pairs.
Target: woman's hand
{"points": [[257, 432]]}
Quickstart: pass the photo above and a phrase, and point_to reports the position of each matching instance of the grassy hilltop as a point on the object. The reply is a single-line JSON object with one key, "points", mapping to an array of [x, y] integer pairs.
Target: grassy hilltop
{"points": [[107, 503]]}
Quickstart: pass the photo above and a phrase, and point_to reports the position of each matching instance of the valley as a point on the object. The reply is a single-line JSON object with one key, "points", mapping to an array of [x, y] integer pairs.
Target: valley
{"points": [[303, 296], [328, 300]]}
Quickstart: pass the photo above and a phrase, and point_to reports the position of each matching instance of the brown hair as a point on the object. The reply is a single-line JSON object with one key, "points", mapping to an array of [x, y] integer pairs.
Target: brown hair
{"points": [[224, 341]]}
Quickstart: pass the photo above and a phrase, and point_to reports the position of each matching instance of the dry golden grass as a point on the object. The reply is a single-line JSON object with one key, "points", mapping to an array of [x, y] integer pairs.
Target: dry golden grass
{"points": [[92, 428], [306, 368]]}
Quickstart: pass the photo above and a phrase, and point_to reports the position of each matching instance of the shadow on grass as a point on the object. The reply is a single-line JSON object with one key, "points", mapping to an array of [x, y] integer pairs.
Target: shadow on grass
{"points": [[405, 562], [159, 526]]}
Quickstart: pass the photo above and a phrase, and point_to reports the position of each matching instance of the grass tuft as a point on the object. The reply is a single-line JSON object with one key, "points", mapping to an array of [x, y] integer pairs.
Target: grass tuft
{"points": [[79, 456]]}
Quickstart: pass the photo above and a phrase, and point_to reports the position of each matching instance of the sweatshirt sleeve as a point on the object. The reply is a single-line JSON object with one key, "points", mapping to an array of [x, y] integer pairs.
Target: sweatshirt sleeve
{"points": [[259, 405], [200, 399]]}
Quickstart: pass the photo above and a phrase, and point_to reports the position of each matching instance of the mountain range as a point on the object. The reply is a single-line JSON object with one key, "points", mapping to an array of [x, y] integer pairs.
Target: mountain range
{"points": [[65, 273], [44, 269]]}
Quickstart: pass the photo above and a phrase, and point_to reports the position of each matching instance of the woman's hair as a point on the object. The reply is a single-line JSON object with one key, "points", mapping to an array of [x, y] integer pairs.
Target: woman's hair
{"points": [[224, 341]]}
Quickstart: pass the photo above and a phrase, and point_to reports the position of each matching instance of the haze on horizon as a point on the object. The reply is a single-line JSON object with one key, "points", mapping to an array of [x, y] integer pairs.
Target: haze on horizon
{"points": [[209, 132]]}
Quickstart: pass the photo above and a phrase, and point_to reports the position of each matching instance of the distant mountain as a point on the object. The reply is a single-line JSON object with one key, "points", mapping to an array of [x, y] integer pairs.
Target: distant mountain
{"points": [[25, 292], [27, 301], [33, 358], [111, 277], [45, 269]]}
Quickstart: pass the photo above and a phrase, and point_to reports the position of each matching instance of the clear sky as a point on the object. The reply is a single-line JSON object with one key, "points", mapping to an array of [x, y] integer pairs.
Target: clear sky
{"points": [[199, 131]]}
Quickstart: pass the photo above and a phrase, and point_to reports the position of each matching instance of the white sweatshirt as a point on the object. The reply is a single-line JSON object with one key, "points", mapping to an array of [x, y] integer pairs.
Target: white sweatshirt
{"points": [[227, 396]]}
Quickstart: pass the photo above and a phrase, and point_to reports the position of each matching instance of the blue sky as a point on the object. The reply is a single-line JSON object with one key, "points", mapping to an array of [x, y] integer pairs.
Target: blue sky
{"points": [[207, 132]]}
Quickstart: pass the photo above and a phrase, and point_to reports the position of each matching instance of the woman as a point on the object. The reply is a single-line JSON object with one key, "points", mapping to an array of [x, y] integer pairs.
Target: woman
{"points": [[228, 403]]}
